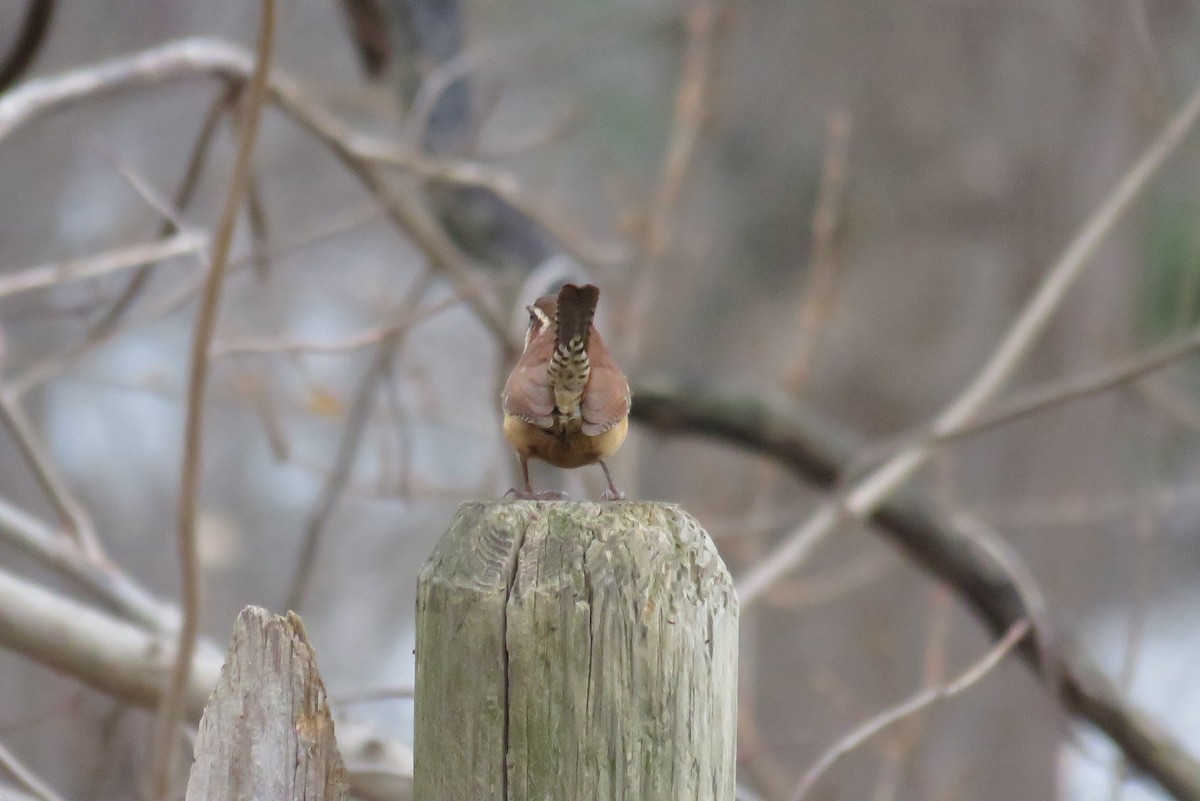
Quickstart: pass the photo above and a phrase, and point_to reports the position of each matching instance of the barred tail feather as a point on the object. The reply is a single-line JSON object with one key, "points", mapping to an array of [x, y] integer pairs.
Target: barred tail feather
{"points": [[569, 366], [576, 308], [569, 372]]}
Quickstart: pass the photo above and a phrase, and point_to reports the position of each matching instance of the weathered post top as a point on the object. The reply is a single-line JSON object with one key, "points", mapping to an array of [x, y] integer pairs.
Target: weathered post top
{"points": [[575, 651], [267, 732]]}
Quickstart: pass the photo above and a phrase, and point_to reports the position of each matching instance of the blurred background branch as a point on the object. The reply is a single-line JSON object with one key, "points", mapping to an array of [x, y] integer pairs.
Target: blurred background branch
{"points": [[811, 223], [30, 35]]}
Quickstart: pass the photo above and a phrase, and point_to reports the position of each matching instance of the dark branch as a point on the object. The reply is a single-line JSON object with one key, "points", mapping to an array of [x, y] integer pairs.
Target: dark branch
{"points": [[29, 41], [369, 30], [818, 450]]}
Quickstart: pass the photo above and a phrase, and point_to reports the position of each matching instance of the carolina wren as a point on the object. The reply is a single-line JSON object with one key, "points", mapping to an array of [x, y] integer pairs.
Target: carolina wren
{"points": [[566, 401]]}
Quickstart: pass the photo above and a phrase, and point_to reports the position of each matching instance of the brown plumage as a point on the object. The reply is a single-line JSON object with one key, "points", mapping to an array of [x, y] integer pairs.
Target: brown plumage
{"points": [[566, 401]]}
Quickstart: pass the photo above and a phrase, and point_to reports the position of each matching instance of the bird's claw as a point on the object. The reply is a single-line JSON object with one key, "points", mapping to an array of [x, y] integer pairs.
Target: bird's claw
{"points": [[612, 494]]}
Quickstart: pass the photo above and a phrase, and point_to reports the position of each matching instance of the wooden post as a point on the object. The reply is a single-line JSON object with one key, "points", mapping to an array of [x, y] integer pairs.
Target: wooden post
{"points": [[575, 651], [266, 732]]}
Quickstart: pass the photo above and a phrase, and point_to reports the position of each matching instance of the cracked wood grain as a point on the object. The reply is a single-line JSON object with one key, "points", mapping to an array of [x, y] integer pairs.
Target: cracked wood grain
{"points": [[266, 732], [575, 651]]}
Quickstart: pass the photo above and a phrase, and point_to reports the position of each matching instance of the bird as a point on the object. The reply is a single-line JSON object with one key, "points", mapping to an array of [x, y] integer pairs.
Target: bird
{"points": [[566, 402]]}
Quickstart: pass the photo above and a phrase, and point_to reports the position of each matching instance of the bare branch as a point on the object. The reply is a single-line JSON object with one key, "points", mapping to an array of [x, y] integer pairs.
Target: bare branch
{"points": [[691, 107], [369, 28], [1065, 390], [48, 275], [914, 704], [373, 336], [804, 592], [105, 582], [817, 298], [869, 493], [172, 222], [352, 435], [818, 450], [44, 470], [173, 703], [183, 196], [110, 655], [536, 47], [10, 793], [1073, 388], [131, 664], [26, 777], [34, 26], [260, 228], [192, 57], [507, 186], [47, 368]]}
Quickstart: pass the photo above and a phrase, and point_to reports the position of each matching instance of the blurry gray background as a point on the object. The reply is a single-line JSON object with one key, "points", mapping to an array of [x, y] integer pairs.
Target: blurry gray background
{"points": [[978, 136]]}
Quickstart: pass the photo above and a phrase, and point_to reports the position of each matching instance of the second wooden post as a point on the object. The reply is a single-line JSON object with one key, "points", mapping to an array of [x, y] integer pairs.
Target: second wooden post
{"points": [[574, 651]]}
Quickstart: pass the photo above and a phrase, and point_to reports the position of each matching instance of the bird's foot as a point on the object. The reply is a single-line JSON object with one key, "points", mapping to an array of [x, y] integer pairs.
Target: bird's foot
{"points": [[612, 493], [530, 495]]}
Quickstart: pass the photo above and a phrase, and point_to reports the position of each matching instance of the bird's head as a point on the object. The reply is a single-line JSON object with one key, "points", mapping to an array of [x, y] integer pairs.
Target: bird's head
{"points": [[542, 314]]}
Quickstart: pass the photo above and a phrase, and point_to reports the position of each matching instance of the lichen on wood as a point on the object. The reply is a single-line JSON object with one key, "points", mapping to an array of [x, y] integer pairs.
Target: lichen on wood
{"points": [[575, 651]]}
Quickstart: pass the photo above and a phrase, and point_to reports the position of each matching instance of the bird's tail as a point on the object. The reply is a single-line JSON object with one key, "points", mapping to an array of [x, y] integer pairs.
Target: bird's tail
{"points": [[569, 367]]}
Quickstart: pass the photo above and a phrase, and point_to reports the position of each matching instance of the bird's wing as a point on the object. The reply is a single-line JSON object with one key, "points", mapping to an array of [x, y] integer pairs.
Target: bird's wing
{"points": [[606, 399], [527, 393]]}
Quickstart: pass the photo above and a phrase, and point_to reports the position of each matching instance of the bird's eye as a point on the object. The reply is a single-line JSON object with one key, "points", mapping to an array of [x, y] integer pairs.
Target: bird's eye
{"points": [[533, 318]]}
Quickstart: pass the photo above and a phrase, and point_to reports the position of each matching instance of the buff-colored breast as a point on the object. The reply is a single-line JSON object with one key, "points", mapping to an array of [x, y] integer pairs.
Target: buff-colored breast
{"points": [[569, 448]]}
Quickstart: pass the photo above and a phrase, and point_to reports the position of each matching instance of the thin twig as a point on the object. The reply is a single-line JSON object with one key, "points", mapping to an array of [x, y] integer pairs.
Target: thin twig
{"points": [[533, 47], [1033, 601], [352, 434], [351, 342], [256, 216], [173, 704], [804, 592], [183, 196], [45, 276], [336, 482], [503, 183], [191, 57], [10, 793], [817, 299], [914, 704], [129, 664], [106, 327], [396, 421], [12, 415], [561, 124], [691, 107], [56, 363], [260, 228], [107, 583], [1049, 395], [819, 451], [868, 494], [27, 778], [262, 399], [1146, 525], [1075, 387], [899, 749], [172, 222]]}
